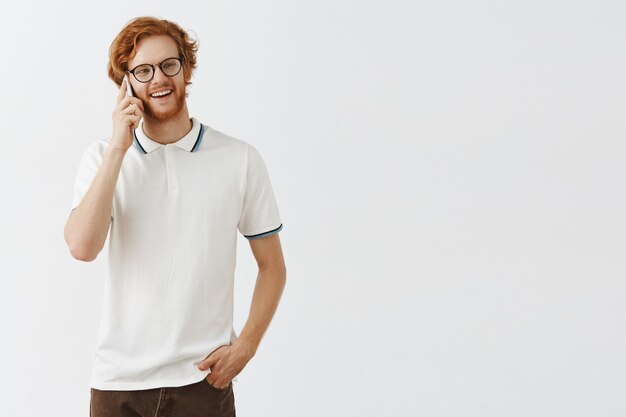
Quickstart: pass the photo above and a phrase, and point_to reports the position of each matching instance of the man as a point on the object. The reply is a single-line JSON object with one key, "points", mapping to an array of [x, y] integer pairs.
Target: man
{"points": [[173, 192]]}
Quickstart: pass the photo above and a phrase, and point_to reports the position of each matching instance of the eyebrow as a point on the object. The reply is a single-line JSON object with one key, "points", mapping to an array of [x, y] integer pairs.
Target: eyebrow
{"points": [[158, 62]]}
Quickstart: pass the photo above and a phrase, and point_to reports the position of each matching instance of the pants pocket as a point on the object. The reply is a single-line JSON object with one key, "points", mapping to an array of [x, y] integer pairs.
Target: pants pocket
{"points": [[208, 384]]}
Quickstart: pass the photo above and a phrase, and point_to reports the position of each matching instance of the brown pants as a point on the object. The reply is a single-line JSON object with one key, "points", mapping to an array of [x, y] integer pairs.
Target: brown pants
{"points": [[200, 399]]}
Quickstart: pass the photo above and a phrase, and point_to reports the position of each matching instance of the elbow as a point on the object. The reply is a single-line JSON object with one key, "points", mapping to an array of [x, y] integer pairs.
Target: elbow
{"points": [[82, 253], [81, 249]]}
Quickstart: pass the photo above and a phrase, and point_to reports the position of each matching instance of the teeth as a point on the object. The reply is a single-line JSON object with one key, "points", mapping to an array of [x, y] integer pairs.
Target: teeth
{"points": [[161, 93]]}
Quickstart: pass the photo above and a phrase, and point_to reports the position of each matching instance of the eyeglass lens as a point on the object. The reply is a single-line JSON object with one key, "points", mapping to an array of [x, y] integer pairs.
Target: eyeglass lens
{"points": [[170, 67]]}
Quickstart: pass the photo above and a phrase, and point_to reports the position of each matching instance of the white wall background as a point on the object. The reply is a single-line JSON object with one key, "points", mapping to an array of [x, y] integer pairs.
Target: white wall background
{"points": [[450, 175]]}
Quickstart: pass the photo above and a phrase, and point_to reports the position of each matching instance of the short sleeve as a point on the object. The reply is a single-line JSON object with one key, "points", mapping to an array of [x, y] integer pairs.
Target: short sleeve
{"points": [[87, 170], [259, 214]]}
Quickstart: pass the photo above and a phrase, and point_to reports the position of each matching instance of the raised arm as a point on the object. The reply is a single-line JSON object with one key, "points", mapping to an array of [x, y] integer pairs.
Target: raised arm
{"points": [[88, 224]]}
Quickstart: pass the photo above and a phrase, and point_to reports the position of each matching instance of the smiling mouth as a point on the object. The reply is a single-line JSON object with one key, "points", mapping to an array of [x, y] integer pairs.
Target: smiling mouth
{"points": [[160, 97]]}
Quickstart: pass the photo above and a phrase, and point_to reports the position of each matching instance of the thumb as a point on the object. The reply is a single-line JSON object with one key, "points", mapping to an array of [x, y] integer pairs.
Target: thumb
{"points": [[121, 93], [208, 362]]}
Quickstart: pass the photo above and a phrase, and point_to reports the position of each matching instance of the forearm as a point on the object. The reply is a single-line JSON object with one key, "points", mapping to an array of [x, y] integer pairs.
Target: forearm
{"points": [[267, 292], [88, 225]]}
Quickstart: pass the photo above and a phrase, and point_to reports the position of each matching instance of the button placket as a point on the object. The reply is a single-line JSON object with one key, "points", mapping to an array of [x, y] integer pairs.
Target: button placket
{"points": [[170, 168]]}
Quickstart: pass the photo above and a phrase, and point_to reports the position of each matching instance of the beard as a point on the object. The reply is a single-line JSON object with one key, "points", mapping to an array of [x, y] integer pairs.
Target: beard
{"points": [[163, 112]]}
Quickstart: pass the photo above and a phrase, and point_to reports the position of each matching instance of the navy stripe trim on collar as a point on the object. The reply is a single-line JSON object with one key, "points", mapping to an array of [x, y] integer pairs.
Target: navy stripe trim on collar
{"points": [[271, 232], [195, 147], [137, 142], [199, 139]]}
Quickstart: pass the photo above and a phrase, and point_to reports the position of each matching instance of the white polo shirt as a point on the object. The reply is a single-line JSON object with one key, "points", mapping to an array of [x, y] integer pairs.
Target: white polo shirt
{"points": [[168, 298]]}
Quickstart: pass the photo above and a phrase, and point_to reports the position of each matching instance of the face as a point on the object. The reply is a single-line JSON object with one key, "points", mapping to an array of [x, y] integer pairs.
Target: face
{"points": [[153, 50]]}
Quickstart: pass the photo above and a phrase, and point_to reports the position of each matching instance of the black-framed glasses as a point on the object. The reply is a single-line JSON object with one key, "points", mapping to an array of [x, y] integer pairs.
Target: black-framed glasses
{"points": [[170, 67]]}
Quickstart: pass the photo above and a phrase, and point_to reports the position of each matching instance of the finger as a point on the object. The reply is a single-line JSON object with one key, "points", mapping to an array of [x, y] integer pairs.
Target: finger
{"points": [[133, 121], [128, 101], [133, 109], [213, 379], [121, 92], [139, 103], [215, 384], [129, 109], [207, 363], [219, 386], [124, 103]]}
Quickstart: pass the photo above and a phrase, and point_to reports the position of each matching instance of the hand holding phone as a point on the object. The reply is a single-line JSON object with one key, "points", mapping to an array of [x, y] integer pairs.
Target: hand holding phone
{"points": [[127, 113]]}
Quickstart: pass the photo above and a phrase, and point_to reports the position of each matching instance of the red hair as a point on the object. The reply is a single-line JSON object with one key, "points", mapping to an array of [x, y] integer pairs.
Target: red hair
{"points": [[124, 46]]}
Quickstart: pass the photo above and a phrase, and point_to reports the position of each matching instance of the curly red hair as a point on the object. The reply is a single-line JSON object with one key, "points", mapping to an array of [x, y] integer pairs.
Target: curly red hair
{"points": [[124, 46]]}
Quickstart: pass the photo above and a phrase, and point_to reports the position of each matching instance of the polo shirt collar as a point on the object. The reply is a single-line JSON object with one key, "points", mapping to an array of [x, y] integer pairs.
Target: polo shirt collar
{"points": [[190, 142]]}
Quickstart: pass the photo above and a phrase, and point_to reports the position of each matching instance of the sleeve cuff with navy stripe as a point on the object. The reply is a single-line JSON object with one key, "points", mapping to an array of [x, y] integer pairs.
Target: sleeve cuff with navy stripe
{"points": [[259, 235]]}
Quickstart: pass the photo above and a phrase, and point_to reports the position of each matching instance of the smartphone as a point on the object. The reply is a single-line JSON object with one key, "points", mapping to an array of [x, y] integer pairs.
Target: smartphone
{"points": [[129, 89]]}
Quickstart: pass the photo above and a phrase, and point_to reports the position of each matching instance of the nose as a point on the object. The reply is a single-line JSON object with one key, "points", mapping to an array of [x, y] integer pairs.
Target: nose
{"points": [[158, 76]]}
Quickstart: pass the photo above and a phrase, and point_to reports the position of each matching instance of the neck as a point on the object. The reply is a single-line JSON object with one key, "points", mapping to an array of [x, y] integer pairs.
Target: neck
{"points": [[168, 130]]}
